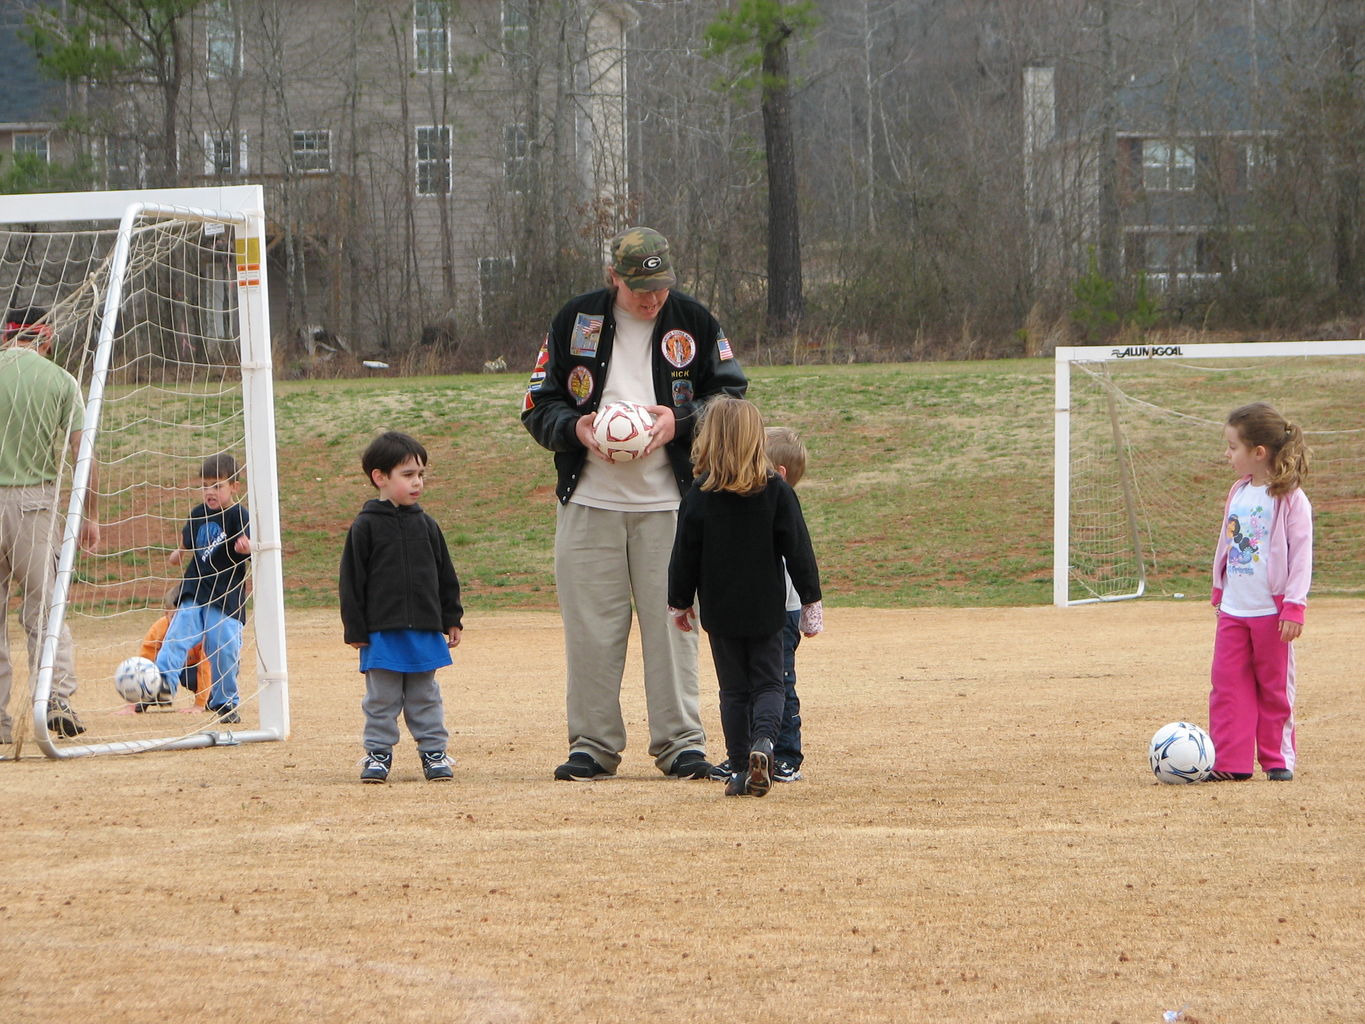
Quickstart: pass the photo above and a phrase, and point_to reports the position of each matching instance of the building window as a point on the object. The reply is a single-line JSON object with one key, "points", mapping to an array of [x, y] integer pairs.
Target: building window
{"points": [[433, 160], [430, 36], [1172, 259], [516, 32], [1167, 167], [1169, 254], [516, 163], [224, 153], [1259, 164], [222, 40], [312, 150], [123, 162], [495, 284], [32, 144]]}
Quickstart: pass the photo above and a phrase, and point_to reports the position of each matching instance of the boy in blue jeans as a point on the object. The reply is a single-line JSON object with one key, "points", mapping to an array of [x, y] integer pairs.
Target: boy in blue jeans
{"points": [[215, 546], [787, 452], [400, 608]]}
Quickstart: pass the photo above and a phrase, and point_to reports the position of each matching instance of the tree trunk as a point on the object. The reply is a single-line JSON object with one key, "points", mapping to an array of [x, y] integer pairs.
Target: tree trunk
{"points": [[1108, 242], [785, 299], [1346, 170]]}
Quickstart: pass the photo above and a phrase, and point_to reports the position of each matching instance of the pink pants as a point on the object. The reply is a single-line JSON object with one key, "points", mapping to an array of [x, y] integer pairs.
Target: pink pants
{"points": [[1251, 706]]}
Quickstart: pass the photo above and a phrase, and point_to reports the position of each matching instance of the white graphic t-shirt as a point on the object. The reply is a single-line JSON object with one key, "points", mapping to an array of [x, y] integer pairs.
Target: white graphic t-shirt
{"points": [[1246, 590], [640, 485]]}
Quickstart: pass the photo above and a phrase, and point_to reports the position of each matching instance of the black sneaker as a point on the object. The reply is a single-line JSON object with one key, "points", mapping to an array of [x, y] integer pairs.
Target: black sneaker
{"points": [[722, 771], [1280, 775], [1229, 776], [580, 767], [225, 713], [160, 704], [737, 785], [62, 720], [690, 764], [760, 778], [375, 766], [785, 771], [435, 765]]}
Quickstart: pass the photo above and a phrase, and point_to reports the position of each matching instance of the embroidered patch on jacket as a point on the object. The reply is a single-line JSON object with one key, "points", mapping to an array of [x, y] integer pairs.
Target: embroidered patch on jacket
{"points": [[678, 348], [723, 347], [587, 332], [682, 392], [537, 375], [580, 384]]}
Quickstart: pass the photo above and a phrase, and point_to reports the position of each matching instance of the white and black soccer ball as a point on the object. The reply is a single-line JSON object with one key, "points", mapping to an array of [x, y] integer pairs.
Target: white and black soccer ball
{"points": [[622, 430], [1181, 752], [138, 681]]}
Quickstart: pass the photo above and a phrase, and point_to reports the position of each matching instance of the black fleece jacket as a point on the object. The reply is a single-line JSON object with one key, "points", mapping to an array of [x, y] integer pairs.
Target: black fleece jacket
{"points": [[396, 573]]}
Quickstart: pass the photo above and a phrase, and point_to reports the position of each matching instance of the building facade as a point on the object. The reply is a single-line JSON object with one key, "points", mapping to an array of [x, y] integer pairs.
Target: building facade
{"points": [[421, 158]]}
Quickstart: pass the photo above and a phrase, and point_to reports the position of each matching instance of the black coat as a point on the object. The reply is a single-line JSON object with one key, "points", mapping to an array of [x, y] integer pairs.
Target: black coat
{"points": [[729, 550], [396, 573], [691, 361]]}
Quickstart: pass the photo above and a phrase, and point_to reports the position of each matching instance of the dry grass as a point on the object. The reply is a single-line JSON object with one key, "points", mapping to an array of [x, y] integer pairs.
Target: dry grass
{"points": [[977, 840]]}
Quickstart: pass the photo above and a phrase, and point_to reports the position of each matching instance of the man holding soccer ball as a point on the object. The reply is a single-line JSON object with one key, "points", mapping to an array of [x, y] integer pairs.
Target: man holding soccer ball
{"points": [[635, 340]]}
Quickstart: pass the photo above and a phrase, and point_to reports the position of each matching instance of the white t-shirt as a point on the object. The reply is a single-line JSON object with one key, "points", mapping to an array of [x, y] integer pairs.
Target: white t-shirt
{"points": [[1246, 587], [640, 485]]}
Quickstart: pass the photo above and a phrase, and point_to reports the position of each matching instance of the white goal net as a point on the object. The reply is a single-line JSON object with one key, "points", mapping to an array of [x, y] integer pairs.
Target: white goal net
{"points": [[1140, 476], [155, 302]]}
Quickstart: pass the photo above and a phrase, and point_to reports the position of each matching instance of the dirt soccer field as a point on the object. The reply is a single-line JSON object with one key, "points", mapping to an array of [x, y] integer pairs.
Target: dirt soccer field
{"points": [[977, 839]]}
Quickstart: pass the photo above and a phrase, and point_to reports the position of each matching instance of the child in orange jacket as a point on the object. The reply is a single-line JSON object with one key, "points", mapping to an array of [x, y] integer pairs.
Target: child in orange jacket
{"points": [[197, 661]]}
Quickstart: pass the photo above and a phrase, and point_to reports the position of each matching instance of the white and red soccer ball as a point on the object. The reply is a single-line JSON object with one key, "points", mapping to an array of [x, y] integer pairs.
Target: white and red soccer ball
{"points": [[621, 430]]}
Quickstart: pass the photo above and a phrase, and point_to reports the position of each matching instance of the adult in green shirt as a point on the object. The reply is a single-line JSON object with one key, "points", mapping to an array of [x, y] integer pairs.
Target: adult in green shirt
{"points": [[40, 414]]}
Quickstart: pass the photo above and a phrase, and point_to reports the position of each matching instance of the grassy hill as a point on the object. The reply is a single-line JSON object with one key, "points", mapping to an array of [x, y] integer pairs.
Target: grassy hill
{"points": [[930, 484], [909, 466]]}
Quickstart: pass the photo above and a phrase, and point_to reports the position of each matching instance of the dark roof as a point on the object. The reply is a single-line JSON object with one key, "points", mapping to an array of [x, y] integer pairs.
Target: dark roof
{"points": [[28, 97], [1222, 87]]}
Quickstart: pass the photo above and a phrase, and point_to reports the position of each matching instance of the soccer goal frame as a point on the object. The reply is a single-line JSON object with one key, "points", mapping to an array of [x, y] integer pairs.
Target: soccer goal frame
{"points": [[1126, 528], [240, 211]]}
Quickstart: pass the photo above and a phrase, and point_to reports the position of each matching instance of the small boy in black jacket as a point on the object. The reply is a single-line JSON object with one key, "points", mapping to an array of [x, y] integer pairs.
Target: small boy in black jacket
{"points": [[400, 607]]}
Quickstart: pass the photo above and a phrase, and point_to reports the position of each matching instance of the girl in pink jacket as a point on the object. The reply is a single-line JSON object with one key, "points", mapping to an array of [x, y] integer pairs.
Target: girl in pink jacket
{"points": [[1262, 568]]}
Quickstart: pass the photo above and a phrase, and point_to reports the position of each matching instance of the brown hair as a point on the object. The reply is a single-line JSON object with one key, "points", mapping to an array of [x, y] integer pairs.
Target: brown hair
{"points": [[729, 447], [219, 467], [1258, 424], [786, 449]]}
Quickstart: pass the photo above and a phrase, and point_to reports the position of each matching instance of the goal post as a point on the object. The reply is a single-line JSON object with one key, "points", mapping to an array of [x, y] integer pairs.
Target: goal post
{"points": [[157, 304], [1138, 470]]}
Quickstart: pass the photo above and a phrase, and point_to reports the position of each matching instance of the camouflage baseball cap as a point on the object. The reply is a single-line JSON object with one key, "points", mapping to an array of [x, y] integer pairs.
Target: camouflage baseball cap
{"points": [[639, 256]]}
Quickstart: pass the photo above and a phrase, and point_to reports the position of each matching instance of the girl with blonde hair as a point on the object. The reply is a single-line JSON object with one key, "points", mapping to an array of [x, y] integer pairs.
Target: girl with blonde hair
{"points": [[736, 525]]}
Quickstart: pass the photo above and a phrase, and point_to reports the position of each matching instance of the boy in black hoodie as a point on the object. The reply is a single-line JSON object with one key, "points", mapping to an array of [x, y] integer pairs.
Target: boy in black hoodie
{"points": [[400, 607]]}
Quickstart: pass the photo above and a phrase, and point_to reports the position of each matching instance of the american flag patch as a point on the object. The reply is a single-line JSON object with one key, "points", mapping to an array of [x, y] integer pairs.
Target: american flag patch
{"points": [[723, 347]]}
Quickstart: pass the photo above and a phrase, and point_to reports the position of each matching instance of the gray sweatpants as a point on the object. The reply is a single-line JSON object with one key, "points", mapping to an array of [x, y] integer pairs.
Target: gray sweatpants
{"points": [[603, 559], [417, 695]]}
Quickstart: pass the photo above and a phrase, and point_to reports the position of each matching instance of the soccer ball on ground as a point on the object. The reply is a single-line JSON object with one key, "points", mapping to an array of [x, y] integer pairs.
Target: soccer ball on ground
{"points": [[622, 430], [138, 681], [1181, 752]]}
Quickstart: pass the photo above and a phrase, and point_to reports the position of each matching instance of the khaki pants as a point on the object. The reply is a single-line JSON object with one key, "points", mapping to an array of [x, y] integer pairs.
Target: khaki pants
{"points": [[28, 557], [603, 559]]}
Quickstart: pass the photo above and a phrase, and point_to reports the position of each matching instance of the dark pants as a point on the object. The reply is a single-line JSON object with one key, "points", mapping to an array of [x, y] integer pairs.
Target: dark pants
{"points": [[788, 745], [749, 669]]}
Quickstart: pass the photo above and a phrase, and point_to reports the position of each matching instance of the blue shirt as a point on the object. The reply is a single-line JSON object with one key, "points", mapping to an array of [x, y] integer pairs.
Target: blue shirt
{"points": [[405, 650]]}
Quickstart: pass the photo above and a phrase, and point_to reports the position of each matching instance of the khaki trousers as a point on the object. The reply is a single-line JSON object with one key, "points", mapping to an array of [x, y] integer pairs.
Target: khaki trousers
{"points": [[28, 557], [603, 561]]}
